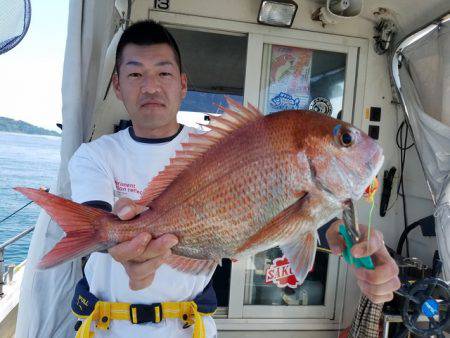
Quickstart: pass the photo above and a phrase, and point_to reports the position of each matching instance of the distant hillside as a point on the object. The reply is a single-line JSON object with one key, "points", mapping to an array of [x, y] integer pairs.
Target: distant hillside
{"points": [[14, 126]]}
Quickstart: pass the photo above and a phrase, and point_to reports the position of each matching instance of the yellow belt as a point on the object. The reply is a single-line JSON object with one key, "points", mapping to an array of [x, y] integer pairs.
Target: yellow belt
{"points": [[104, 312]]}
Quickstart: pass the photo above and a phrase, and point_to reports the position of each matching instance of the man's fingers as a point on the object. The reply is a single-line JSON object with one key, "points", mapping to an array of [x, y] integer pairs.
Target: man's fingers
{"points": [[142, 283], [142, 270], [382, 273], [126, 208], [381, 299], [368, 248], [157, 247], [378, 284], [132, 249], [335, 240], [141, 256], [380, 289]]}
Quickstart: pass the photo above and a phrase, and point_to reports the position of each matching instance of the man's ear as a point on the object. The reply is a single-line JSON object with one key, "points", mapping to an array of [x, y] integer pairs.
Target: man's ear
{"points": [[116, 86], [183, 85]]}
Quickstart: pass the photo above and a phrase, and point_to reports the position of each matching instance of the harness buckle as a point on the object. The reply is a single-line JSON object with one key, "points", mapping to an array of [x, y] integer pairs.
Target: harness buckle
{"points": [[142, 313]]}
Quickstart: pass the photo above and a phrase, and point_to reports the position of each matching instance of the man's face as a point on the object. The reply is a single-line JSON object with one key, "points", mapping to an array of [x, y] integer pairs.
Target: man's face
{"points": [[150, 85]]}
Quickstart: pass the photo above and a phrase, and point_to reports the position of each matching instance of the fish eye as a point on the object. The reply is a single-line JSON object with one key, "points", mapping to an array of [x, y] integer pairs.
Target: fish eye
{"points": [[343, 136], [346, 139]]}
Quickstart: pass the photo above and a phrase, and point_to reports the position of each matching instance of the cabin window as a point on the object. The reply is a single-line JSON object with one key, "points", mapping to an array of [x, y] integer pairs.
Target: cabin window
{"points": [[302, 78], [215, 66]]}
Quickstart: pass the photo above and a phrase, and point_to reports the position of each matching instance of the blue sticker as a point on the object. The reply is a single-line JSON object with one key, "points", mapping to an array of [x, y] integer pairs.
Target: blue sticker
{"points": [[430, 308], [284, 101]]}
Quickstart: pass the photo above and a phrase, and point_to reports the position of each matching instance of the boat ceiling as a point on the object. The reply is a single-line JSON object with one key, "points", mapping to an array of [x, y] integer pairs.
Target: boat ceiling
{"points": [[408, 14]]}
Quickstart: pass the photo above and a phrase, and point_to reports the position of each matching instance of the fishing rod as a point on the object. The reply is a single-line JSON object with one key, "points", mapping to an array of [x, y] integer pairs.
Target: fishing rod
{"points": [[24, 206]]}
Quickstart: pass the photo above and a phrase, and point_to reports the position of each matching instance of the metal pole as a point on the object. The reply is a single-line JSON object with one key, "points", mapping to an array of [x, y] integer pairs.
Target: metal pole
{"points": [[1, 272], [2, 251], [10, 273], [16, 238]]}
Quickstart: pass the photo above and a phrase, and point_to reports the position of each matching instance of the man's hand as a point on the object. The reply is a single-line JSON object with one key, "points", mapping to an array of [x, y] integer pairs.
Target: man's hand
{"points": [[379, 284], [140, 256]]}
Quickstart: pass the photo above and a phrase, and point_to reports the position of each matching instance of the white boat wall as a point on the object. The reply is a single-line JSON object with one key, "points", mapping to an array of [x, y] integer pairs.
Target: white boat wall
{"points": [[90, 110]]}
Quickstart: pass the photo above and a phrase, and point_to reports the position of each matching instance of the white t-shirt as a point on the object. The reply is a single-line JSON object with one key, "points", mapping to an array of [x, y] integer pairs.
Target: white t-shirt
{"points": [[119, 165]]}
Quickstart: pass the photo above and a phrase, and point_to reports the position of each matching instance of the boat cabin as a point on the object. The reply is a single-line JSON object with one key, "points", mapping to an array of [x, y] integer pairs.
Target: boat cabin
{"points": [[304, 54]]}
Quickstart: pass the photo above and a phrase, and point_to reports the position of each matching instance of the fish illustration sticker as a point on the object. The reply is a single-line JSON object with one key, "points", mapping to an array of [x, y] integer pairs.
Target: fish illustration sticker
{"points": [[280, 273], [284, 101]]}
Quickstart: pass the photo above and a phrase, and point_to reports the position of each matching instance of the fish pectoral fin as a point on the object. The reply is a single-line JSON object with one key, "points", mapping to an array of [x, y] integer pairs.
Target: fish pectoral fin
{"points": [[278, 230], [301, 253], [191, 265]]}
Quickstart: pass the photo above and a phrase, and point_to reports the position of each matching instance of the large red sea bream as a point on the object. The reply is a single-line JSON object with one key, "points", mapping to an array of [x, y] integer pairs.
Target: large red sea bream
{"points": [[252, 183]]}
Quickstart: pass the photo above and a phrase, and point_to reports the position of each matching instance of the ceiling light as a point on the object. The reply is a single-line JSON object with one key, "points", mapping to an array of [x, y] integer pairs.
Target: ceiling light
{"points": [[279, 13]]}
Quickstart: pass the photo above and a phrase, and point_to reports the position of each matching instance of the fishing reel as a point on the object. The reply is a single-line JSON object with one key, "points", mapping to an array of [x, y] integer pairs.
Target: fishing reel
{"points": [[429, 297]]}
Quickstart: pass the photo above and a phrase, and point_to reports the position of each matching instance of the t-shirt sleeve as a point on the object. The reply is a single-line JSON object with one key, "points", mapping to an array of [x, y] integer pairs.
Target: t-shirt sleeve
{"points": [[90, 177]]}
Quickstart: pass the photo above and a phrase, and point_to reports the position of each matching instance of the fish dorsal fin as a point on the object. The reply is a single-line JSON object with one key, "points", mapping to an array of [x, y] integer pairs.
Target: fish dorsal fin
{"points": [[234, 117]]}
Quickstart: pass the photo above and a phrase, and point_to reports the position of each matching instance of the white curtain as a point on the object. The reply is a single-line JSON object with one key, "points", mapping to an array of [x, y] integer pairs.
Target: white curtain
{"points": [[44, 308], [424, 77]]}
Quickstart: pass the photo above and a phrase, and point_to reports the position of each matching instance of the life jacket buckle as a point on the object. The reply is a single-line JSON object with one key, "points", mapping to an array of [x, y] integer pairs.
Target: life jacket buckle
{"points": [[143, 313]]}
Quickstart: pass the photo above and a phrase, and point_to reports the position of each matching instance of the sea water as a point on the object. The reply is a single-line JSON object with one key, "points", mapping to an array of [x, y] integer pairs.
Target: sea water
{"points": [[27, 161]]}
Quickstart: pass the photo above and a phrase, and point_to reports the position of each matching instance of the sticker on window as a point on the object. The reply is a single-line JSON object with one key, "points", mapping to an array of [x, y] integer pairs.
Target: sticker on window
{"points": [[281, 274]]}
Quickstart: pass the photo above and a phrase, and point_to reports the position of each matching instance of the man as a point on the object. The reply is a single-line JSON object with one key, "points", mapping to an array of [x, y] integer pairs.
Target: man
{"points": [[113, 171]]}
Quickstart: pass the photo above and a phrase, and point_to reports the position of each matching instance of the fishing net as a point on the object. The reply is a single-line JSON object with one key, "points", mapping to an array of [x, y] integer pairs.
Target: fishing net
{"points": [[15, 19], [424, 78]]}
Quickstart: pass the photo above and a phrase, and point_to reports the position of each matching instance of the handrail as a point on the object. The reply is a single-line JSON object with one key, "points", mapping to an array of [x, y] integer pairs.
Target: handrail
{"points": [[10, 241], [16, 238], [2, 252]]}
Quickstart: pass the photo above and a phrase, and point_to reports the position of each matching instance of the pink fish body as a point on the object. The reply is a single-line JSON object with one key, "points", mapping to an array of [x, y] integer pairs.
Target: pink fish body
{"points": [[252, 183]]}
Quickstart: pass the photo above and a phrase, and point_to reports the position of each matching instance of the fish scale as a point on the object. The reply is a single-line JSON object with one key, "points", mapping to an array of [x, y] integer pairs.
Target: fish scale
{"points": [[253, 182]]}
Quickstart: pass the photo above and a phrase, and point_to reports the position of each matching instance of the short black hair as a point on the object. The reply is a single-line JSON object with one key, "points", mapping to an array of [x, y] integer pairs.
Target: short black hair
{"points": [[146, 33]]}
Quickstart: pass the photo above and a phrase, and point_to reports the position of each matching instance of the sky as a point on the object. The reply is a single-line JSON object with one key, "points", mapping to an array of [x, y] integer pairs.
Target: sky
{"points": [[31, 72]]}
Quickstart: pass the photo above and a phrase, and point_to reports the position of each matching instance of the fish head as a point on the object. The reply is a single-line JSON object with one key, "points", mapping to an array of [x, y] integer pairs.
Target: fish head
{"points": [[343, 160]]}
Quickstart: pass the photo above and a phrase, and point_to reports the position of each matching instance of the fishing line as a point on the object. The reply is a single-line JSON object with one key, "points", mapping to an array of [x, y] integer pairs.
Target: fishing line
{"points": [[369, 196], [27, 204], [15, 212], [369, 225]]}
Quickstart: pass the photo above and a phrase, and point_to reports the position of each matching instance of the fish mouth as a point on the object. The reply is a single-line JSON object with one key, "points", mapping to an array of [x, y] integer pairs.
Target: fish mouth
{"points": [[373, 166], [376, 162], [346, 204]]}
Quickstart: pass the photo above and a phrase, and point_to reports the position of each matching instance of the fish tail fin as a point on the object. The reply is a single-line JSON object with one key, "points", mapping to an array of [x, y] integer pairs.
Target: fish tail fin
{"points": [[77, 221]]}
